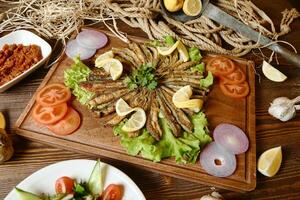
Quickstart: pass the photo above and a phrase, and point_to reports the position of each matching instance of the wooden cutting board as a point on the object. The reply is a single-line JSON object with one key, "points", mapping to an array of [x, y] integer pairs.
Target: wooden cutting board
{"points": [[91, 138]]}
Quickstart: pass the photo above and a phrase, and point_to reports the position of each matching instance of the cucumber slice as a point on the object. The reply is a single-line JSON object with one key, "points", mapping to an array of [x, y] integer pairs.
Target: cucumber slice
{"points": [[24, 195], [95, 181]]}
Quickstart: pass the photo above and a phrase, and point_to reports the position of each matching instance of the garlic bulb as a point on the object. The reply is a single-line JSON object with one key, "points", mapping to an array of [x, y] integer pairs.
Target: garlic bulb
{"points": [[212, 196], [284, 108]]}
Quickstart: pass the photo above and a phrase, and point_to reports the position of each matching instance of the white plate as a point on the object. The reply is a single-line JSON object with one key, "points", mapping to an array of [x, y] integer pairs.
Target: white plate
{"points": [[43, 181], [25, 38]]}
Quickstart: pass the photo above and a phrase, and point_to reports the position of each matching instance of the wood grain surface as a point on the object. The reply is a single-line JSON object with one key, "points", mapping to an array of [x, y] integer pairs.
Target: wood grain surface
{"points": [[31, 156], [93, 138]]}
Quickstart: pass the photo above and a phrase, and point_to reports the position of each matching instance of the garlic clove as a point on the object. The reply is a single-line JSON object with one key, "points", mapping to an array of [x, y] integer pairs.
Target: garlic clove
{"points": [[282, 108]]}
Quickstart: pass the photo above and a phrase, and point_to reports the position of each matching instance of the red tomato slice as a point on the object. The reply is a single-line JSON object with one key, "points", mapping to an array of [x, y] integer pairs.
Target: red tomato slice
{"points": [[112, 192], [49, 115], [68, 124], [237, 76], [235, 90], [220, 66], [53, 94], [64, 185]]}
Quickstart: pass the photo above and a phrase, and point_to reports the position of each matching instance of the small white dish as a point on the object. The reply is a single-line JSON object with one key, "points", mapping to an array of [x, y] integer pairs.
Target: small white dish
{"points": [[43, 180], [26, 38]]}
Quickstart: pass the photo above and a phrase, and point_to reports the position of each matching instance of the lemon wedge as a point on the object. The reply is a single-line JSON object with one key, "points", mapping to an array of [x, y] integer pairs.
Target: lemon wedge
{"points": [[272, 73], [183, 94], [183, 53], [2, 121], [115, 69], [100, 61], [269, 162], [122, 108], [192, 7], [192, 103], [181, 99], [168, 50], [173, 5], [136, 121]]}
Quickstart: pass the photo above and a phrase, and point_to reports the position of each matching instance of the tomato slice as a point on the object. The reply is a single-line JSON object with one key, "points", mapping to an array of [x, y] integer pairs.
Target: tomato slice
{"points": [[53, 94], [112, 192], [49, 115], [220, 66], [237, 76], [64, 185], [239, 90], [66, 125]]}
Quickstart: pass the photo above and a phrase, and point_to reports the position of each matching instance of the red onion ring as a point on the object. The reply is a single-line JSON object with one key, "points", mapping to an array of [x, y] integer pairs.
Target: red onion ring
{"points": [[216, 161], [73, 50], [91, 39], [231, 137]]}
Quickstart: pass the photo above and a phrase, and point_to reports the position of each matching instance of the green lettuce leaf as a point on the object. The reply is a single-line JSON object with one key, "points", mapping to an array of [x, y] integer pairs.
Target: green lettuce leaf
{"points": [[207, 81], [73, 76], [169, 40], [199, 68], [185, 149]]}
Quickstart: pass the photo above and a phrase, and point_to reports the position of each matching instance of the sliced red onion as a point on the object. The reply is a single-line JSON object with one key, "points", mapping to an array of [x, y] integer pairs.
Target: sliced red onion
{"points": [[74, 49], [231, 137], [91, 39], [216, 161]]}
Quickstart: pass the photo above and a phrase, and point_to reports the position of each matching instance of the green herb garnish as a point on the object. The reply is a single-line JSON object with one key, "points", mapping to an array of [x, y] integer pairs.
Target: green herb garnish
{"points": [[199, 68], [195, 54], [207, 81], [142, 77], [169, 40]]}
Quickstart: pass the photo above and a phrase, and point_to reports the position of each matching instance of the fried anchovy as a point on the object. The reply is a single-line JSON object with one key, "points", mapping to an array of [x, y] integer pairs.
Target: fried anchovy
{"points": [[182, 83], [152, 123], [176, 129], [147, 53], [133, 55], [126, 57], [180, 116], [95, 86], [139, 53], [185, 66], [181, 79], [108, 97], [155, 55]]}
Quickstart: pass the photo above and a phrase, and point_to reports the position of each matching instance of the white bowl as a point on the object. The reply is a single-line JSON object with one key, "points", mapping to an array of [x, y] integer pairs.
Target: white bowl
{"points": [[25, 38]]}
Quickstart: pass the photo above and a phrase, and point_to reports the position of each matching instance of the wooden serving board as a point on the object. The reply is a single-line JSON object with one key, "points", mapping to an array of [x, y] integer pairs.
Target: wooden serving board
{"points": [[91, 138]]}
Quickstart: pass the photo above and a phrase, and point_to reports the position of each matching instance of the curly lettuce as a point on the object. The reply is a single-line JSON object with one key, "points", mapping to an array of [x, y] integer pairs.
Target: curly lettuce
{"points": [[74, 76], [184, 149]]}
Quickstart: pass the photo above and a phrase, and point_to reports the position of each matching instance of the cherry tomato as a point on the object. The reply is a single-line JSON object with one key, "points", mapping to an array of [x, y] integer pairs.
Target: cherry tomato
{"points": [[53, 94], [64, 185], [49, 115], [239, 90], [220, 66], [237, 76], [112, 192], [66, 125]]}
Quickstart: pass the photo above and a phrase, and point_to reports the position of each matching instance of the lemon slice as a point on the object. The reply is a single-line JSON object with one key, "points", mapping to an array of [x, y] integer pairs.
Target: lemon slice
{"points": [[192, 103], [122, 108], [167, 50], [183, 94], [192, 7], [136, 121], [269, 162], [181, 99], [183, 53], [100, 61], [2, 121], [115, 68], [272, 73]]}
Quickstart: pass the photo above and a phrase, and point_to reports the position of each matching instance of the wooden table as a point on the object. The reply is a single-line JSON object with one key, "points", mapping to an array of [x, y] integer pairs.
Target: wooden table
{"points": [[31, 156]]}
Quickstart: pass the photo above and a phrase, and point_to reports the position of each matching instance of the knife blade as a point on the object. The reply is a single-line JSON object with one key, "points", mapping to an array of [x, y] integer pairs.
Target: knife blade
{"points": [[216, 14]]}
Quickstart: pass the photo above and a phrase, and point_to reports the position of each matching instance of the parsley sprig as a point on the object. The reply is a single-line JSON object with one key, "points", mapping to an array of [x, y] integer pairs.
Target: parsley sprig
{"points": [[142, 77]]}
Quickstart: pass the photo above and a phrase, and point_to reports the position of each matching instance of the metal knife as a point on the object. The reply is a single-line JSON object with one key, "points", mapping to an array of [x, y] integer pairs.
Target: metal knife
{"points": [[216, 14]]}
